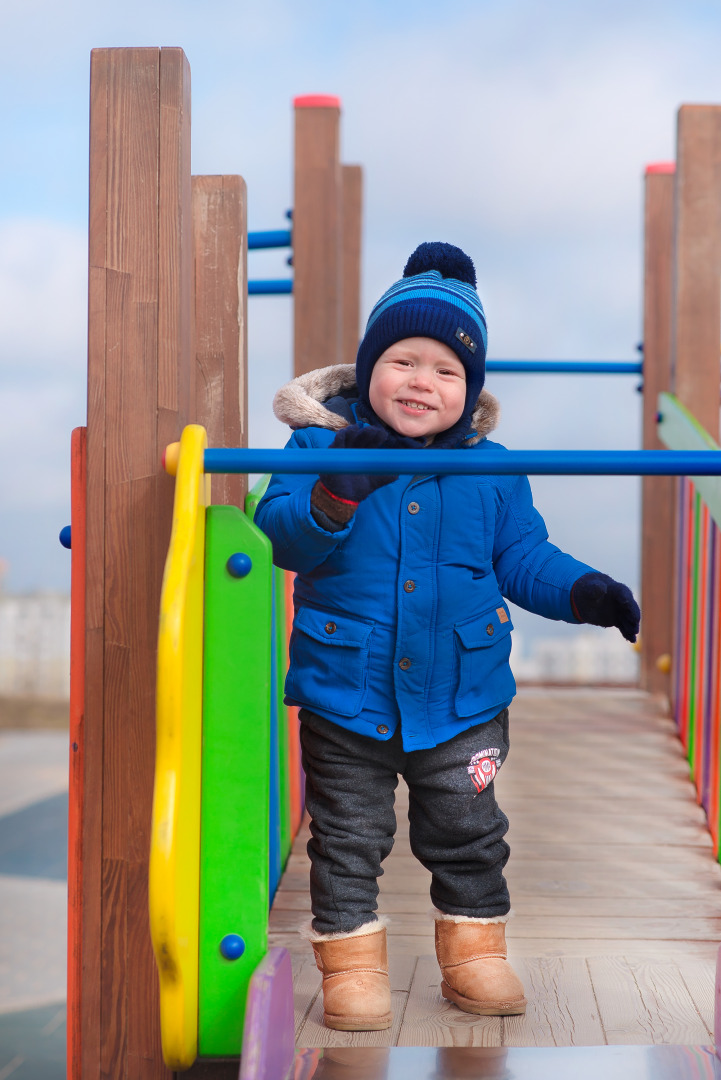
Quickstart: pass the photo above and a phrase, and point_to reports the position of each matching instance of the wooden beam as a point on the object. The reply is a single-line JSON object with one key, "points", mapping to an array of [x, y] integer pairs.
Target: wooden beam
{"points": [[317, 211], [697, 264], [221, 338], [352, 181], [140, 389], [658, 492]]}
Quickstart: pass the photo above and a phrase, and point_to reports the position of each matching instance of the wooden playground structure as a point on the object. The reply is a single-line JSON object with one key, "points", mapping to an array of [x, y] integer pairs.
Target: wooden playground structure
{"points": [[618, 922]]}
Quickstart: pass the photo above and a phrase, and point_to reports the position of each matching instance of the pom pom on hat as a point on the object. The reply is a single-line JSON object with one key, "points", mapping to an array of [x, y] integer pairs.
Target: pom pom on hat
{"points": [[435, 298], [449, 261]]}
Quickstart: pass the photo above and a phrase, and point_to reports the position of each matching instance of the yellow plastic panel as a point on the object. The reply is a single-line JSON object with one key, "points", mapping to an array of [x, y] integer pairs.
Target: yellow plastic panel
{"points": [[175, 838]]}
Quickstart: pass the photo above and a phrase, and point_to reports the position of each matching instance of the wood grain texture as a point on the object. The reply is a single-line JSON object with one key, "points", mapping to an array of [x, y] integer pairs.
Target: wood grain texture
{"points": [[644, 1001], [221, 335], [658, 492], [352, 200], [697, 263], [317, 266], [139, 394], [562, 1009], [430, 1020]]}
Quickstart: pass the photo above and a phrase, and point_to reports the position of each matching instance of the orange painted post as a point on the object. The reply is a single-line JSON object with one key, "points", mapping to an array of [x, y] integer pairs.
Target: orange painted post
{"points": [[76, 766], [658, 492], [317, 217]]}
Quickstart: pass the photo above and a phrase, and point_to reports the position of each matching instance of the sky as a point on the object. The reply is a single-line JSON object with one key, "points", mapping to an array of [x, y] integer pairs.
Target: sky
{"points": [[518, 130]]}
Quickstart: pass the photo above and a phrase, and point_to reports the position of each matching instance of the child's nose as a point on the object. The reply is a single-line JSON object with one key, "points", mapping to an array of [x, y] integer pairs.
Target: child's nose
{"points": [[422, 379]]}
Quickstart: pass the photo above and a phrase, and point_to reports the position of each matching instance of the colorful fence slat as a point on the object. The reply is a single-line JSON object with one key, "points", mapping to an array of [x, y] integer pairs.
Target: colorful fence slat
{"points": [[234, 849], [696, 684]]}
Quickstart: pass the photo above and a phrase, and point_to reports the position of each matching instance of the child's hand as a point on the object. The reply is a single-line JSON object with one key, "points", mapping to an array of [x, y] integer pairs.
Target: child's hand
{"points": [[354, 487], [598, 599]]}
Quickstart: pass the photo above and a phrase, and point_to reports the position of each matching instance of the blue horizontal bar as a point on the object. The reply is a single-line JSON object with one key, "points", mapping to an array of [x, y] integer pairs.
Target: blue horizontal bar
{"points": [[272, 238], [568, 367], [270, 288], [483, 463]]}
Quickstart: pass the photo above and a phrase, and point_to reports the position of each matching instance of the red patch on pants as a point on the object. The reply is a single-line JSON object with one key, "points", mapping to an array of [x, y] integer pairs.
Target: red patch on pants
{"points": [[483, 767]]}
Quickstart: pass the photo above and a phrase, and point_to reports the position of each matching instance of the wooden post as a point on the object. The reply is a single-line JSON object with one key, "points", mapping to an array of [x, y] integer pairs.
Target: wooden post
{"points": [[317, 208], [697, 264], [140, 371], [221, 338], [352, 180], [658, 492]]}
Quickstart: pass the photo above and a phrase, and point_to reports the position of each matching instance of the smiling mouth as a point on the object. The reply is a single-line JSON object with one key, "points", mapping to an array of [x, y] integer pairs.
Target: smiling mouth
{"points": [[416, 405]]}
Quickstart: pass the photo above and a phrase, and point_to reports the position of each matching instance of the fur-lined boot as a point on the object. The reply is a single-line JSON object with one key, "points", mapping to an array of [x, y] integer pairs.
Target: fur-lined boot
{"points": [[473, 960], [356, 990]]}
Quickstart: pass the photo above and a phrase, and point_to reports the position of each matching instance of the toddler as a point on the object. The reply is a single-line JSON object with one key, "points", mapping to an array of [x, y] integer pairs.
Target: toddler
{"points": [[402, 635]]}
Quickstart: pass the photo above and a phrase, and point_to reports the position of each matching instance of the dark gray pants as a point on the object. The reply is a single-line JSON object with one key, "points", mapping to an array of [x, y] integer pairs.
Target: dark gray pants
{"points": [[456, 827]]}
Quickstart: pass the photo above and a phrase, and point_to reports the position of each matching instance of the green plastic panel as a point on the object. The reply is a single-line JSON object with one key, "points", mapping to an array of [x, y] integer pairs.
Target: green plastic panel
{"points": [[678, 429], [236, 766]]}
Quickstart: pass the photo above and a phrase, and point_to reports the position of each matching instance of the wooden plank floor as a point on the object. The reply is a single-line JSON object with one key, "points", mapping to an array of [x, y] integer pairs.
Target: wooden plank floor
{"points": [[613, 881]]}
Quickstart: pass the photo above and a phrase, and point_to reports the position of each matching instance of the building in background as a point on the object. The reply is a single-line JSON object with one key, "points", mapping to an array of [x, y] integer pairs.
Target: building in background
{"points": [[586, 657], [35, 645]]}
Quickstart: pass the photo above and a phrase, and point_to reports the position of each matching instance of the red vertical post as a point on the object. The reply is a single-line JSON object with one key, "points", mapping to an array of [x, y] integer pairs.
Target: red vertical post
{"points": [[76, 804]]}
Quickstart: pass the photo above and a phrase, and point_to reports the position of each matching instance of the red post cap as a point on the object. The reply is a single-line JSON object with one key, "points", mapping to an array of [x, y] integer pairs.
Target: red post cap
{"points": [[316, 101], [661, 167]]}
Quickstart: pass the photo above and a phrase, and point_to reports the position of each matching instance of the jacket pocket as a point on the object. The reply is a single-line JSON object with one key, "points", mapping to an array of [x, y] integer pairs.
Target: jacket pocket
{"points": [[329, 657], [483, 645]]}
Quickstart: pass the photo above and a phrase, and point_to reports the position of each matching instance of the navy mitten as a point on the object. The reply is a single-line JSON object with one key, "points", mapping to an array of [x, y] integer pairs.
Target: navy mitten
{"points": [[598, 599], [337, 495]]}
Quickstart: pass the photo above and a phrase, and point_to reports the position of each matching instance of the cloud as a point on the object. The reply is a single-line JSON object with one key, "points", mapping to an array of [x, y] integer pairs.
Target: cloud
{"points": [[43, 300]]}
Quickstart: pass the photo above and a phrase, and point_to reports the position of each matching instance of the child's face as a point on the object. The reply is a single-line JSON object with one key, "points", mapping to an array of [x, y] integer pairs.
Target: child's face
{"points": [[418, 387]]}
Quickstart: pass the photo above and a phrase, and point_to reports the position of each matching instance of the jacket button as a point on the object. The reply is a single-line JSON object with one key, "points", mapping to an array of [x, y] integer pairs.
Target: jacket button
{"points": [[382, 729], [489, 629], [413, 508], [330, 628], [409, 585], [404, 664]]}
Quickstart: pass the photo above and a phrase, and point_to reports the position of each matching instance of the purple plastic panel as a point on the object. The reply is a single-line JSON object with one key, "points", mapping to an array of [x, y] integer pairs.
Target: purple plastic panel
{"points": [[268, 1034]]}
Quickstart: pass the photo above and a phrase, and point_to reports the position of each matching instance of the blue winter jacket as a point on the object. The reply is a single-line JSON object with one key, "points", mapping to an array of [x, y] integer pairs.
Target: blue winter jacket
{"points": [[401, 616]]}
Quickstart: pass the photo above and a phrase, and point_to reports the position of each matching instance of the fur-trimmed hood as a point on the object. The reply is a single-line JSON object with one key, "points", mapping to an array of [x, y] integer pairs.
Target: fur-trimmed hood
{"points": [[300, 403]]}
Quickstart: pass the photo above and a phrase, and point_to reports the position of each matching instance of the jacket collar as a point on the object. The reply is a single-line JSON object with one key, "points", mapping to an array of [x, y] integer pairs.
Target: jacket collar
{"points": [[300, 403]]}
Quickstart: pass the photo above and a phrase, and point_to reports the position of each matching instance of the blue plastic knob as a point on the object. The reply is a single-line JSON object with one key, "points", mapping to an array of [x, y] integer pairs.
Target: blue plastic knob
{"points": [[239, 564], [232, 947], [65, 537]]}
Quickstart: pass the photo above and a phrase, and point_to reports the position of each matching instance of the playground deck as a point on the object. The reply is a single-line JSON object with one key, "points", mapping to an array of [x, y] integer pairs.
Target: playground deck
{"points": [[614, 884]]}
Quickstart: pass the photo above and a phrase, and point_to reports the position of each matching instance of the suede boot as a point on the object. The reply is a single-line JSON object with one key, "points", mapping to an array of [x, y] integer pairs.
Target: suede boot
{"points": [[356, 990], [476, 974]]}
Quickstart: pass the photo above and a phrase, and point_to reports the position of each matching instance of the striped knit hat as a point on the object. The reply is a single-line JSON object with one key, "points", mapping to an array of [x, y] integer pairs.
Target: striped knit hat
{"points": [[435, 298]]}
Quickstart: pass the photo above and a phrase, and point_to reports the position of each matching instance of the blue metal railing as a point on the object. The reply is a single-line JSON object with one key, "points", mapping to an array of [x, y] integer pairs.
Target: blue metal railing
{"points": [[445, 462], [567, 367], [271, 287], [271, 238]]}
